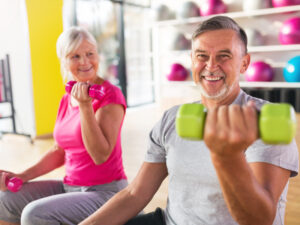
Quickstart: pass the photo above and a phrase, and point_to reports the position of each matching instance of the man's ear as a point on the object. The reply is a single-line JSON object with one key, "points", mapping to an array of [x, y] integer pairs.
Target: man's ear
{"points": [[245, 63]]}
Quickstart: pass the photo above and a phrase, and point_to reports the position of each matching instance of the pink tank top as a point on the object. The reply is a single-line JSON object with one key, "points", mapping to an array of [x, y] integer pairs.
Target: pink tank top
{"points": [[80, 168]]}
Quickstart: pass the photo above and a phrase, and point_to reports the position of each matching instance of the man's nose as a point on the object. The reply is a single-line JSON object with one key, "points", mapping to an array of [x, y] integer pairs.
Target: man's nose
{"points": [[211, 64]]}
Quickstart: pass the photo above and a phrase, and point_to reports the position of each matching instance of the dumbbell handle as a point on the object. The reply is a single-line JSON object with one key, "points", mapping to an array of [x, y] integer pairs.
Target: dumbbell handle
{"points": [[277, 122], [13, 184], [95, 91]]}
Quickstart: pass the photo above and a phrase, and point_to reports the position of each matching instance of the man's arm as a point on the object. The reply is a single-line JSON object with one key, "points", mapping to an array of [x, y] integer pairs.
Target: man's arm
{"points": [[131, 200], [251, 191]]}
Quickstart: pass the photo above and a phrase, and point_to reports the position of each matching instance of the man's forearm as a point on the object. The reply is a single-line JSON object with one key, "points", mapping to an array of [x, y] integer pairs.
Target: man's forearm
{"points": [[247, 201]]}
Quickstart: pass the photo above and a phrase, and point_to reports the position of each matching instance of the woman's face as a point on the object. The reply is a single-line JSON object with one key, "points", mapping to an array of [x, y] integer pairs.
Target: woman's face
{"points": [[83, 62]]}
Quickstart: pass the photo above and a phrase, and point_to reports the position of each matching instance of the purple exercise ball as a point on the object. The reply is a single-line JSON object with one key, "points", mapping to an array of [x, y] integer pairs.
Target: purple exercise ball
{"points": [[259, 71], [177, 73], [210, 7], [290, 31]]}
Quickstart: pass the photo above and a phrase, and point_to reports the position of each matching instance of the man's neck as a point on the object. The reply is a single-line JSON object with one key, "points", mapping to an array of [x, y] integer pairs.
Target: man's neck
{"points": [[227, 100]]}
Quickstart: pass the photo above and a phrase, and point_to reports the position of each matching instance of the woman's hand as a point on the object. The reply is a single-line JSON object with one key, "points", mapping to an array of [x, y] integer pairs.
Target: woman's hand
{"points": [[80, 92], [4, 175]]}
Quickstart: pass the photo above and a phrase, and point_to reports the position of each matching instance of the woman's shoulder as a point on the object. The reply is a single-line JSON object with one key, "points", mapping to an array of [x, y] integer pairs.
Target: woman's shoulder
{"points": [[65, 99], [113, 94]]}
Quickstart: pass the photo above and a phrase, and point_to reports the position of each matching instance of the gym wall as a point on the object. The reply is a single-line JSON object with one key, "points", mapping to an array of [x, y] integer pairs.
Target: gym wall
{"points": [[45, 24]]}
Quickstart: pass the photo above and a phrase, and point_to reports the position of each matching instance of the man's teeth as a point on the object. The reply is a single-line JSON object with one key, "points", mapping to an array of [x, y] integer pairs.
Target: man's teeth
{"points": [[212, 78]]}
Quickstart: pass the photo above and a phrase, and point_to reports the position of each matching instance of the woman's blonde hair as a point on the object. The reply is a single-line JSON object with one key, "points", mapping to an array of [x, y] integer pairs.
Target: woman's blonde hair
{"points": [[67, 42]]}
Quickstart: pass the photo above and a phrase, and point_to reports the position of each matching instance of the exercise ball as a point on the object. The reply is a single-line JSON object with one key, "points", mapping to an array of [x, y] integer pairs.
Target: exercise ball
{"points": [[162, 12], [290, 31], [281, 3], [180, 42], [259, 71], [291, 72], [188, 9], [256, 4], [177, 73], [210, 7], [254, 37]]}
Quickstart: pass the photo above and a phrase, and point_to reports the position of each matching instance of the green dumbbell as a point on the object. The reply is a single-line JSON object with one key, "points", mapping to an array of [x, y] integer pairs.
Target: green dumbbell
{"points": [[277, 123]]}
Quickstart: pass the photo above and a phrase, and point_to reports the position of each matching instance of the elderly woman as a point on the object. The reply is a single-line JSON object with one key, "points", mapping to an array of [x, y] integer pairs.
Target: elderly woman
{"points": [[87, 142]]}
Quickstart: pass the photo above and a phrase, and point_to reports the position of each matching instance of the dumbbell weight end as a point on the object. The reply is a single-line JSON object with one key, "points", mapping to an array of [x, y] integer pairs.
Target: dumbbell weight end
{"points": [[14, 184], [69, 86], [190, 121], [277, 123]]}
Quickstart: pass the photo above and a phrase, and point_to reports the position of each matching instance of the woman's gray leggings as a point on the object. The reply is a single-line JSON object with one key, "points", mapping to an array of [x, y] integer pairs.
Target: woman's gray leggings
{"points": [[51, 202]]}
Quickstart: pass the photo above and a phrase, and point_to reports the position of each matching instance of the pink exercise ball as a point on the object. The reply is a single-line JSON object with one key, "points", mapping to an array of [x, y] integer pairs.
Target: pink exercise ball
{"points": [[210, 7], [259, 71], [290, 31], [177, 73], [281, 3]]}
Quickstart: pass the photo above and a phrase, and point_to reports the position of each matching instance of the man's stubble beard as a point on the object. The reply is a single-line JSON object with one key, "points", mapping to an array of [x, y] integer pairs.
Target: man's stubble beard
{"points": [[221, 94]]}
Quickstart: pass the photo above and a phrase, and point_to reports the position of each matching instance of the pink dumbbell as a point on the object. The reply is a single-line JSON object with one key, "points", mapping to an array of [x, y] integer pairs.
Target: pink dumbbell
{"points": [[14, 184], [95, 90]]}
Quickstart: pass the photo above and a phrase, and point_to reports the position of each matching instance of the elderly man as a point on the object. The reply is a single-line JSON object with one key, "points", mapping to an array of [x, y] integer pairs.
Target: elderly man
{"points": [[231, 177]]}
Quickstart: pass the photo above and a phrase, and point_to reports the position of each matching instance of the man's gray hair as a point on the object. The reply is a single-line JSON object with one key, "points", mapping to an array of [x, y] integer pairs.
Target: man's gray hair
{"points": [[218, 23]]}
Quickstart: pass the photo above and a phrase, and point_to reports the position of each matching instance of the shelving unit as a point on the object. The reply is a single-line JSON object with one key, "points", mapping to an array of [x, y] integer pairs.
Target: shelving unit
{"points": [[234, 15], [7, 90], [7, 96], [267, 20]]}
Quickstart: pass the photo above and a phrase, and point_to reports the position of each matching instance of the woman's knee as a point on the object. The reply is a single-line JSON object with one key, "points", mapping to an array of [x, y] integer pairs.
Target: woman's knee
{"points": [[36, 213]]}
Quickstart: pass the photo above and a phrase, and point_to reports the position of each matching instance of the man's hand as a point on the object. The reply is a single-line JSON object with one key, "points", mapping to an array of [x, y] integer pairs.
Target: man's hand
{"points": [[229, 130]]}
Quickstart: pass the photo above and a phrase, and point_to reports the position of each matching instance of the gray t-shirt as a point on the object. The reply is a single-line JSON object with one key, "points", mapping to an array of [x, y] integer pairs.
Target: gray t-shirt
{"points": [[194, 195]]}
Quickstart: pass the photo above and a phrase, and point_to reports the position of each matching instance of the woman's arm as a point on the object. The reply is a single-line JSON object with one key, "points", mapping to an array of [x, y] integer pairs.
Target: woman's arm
{"points": [[100, 130], [53, 159]]}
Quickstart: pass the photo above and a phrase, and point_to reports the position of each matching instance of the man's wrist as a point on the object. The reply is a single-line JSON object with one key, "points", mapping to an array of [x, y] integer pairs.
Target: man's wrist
{"points": [[222, 159]]}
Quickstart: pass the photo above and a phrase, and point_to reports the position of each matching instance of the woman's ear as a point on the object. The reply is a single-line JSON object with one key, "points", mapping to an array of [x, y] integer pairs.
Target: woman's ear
{"points": [[245, 63]]}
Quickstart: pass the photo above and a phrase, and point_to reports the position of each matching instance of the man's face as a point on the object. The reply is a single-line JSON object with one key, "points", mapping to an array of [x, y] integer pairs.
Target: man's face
{"points": [[217, 61]]}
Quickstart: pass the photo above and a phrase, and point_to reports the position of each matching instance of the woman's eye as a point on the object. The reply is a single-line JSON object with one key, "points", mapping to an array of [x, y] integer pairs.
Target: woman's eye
{"points": [[75, 57]]}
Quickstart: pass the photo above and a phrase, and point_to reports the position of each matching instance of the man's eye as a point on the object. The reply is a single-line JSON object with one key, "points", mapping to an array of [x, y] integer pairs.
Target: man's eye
{"points": [[90, 53], [224, 56], [201, 56]]}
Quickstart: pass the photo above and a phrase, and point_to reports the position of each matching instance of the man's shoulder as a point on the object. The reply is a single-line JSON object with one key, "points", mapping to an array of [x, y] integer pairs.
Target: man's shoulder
{"points": [[244, 98], [172, 111]]}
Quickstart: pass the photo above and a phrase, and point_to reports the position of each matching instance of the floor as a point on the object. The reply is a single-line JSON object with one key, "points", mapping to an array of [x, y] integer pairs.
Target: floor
{"points": [[17, 153]]}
